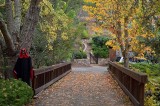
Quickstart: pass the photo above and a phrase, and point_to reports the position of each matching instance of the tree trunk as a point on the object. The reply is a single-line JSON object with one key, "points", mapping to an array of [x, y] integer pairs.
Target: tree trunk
{"points": [[29, 24], [10, 33], [1, 61], [9, 63], [17, 7], [119, 35], [126, 56], [17, 20], [9, 15]]}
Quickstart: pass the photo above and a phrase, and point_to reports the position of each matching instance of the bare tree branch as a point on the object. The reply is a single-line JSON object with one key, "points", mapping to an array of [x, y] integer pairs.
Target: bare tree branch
{"points": [[7, 36]]}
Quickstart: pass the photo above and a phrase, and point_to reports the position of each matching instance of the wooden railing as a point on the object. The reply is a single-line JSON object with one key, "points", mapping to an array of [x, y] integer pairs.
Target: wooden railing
{"points": [[130, 81], [44, 77]]}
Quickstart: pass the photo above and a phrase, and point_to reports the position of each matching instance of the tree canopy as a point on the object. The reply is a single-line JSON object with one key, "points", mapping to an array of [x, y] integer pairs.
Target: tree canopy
{"points": [[126, 20]]}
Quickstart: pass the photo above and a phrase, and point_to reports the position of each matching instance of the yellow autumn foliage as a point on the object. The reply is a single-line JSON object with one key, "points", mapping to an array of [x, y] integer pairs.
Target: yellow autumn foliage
{"points": [[107, 13]]}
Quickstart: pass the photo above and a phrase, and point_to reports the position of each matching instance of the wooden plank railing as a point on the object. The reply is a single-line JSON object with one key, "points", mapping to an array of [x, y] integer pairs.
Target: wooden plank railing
{"points": [[44, 77], [130, 81]]}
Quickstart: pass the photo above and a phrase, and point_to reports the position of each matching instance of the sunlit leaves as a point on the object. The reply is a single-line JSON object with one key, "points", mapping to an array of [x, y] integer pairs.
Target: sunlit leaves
{"points": [[46, 8], [25, 5], [53, 22], [106, 14], [57, 28]]}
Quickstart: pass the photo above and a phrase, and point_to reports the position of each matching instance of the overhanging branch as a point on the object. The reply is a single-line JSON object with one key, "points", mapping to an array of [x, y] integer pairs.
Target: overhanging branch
{"points": [[7, 36]]}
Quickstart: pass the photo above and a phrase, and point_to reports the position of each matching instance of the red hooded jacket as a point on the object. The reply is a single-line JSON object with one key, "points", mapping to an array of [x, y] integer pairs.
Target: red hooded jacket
{"points": [[23, 68]]}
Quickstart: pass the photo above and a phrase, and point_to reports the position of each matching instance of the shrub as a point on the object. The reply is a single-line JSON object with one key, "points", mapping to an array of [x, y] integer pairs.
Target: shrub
{"points": [[153, 85], [150, 69], [98, 46], [80, 55], [101, 52], [84, 34], [14, 93], [149, 101]]}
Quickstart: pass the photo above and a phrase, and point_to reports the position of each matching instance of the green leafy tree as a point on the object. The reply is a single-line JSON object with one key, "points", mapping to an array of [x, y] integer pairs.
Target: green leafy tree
{"points": [[55, 34], [98, 46], [125, 19]]}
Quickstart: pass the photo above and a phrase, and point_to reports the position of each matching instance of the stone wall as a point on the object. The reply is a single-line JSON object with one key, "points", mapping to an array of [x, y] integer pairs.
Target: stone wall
{"points": [[86, 62], [81, 62], [103, 61]]}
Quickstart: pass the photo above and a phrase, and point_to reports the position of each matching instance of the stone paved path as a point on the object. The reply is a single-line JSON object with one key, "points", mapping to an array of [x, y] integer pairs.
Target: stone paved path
{"points": [[84, 87], [93, 68]]}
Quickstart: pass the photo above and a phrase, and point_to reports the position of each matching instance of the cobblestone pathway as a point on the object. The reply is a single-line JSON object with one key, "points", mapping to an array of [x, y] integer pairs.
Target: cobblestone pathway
{"points": [[83, 88]]}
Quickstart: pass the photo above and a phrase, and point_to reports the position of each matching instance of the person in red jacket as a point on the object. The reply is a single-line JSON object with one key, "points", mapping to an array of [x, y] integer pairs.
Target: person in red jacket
{"points": [[23, 68]]}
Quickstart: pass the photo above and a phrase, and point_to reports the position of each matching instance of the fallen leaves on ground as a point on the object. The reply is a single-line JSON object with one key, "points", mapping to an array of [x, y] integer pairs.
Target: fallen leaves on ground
{"points": [[83, 89]]}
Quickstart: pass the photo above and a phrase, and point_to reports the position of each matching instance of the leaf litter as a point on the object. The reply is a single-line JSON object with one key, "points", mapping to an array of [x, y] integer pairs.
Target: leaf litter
{"points": [[83, 89]]}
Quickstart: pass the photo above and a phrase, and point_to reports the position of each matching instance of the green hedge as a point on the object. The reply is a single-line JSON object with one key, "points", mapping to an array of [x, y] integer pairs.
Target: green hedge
{"points": [[98, 46], [14, 93], [150, 69], [84, 34], [152, 88], [101, 52], [80, 55]]}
